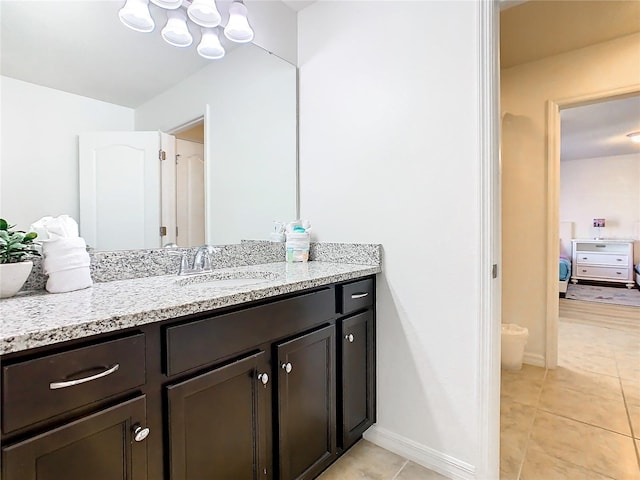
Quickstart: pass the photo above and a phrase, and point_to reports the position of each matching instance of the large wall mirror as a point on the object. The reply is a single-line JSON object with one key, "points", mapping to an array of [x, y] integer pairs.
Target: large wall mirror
{"points": [[70, 69]]}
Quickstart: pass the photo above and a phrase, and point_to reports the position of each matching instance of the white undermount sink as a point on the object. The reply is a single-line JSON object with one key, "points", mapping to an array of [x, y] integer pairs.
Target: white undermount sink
{"points": [[227, 279]]}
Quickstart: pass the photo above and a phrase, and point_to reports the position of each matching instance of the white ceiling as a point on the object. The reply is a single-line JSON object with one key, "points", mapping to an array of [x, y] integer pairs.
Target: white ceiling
{"points": [[600, 129]]}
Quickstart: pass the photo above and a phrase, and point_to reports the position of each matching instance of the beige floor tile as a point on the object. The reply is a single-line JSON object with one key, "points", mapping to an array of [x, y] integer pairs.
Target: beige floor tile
{"points": [[631, 390], [365, 461], [628, 365], [582, 381], [510, 462], [522, 386], [634, 415], [516, 420], [539, 466], [601, 411], [585, 360], [413, 471], [590, 447]]}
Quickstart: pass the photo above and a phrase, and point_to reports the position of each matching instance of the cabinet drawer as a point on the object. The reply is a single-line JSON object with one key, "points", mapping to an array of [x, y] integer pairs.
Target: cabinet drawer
{"points": [[203, 342], [38, 389], [602, 259], [603, 272], [355, 296], [603, 246]]}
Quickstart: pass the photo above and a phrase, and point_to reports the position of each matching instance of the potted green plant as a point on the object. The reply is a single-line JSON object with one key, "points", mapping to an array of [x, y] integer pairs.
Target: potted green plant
{"points": [[16, 249]]}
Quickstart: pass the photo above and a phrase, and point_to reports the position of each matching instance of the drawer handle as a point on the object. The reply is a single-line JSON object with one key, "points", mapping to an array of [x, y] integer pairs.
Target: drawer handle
{"points": [[618, 259], [349, 338], [71, 383], [359, 295], [601, 246], [264, 378], [287, 367], [585, 258]]}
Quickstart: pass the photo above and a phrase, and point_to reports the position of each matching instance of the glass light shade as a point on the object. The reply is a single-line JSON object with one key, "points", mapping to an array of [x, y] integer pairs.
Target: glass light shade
{"points": [[175, 32], [135, 15], [204, 13], [210, 46], [634, 137], [238, 29], [168, 4]]}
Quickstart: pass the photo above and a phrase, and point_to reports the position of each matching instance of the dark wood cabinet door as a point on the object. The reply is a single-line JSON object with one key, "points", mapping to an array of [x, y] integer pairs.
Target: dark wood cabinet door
{"points": [[357, 395], [220, 423], [306, 404], [100, 446]]}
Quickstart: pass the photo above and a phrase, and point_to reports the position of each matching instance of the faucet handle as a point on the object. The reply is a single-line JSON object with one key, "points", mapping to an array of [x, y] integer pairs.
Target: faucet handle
{"points": [[184, 259]]}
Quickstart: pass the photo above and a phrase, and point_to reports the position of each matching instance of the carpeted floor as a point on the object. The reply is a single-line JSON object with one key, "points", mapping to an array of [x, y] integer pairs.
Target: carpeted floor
{"points": [[593, 293]]}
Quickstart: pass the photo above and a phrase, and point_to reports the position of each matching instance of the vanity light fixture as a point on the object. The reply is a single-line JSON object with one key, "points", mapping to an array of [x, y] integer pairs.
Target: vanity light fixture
{"points": [[204, 13], [634, 136]]}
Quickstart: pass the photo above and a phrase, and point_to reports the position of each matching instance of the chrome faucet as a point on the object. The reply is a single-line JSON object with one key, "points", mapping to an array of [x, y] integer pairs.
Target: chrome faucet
{"points": [[201, 261]]}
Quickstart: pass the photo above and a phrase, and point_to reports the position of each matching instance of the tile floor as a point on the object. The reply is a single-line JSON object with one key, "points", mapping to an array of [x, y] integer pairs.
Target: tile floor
{"points": [[366, 461], [580, 421]]}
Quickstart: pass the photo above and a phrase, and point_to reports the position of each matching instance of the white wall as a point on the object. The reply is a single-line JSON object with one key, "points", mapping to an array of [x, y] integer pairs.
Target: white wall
{"points": [[275, 26], [250, 139], [389, 154], [604, 187], [39, 151]]}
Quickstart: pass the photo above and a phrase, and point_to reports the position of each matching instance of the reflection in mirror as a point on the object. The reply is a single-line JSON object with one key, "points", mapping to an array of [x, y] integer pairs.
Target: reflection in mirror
{"points": [[247, 104]]}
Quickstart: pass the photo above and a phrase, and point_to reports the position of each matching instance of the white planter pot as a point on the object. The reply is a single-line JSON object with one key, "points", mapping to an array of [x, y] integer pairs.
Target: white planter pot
{"points": [[12, 277]]}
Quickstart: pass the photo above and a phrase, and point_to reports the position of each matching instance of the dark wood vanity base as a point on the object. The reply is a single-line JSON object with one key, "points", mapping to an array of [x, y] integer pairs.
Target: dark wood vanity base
{"points": [[274, 389]]}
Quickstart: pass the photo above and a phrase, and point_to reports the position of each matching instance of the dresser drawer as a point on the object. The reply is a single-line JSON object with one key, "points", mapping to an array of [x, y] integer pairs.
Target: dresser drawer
{"points": [[602, 259], [35, 390], [602, 272], [355, 296]]}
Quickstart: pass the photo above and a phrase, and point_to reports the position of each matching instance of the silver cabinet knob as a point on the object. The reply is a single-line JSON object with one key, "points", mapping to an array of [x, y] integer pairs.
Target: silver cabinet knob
{"points": [[140, 433], [349, 338], [264, 378], [287, 367]]}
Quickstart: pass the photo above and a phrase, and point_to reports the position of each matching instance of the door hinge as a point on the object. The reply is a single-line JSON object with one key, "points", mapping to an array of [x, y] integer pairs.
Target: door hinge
{"points": [[494, 271], [176, 231], [163, 231], [162, 155]]}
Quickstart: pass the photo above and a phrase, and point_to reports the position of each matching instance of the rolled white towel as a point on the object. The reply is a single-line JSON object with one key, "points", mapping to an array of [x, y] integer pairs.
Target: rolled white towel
{"points": [[67, 262]]}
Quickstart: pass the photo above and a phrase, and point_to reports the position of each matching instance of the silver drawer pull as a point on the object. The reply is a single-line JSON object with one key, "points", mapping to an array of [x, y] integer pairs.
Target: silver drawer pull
{"points": [[71, 383], [359, 295], [349, 338]]}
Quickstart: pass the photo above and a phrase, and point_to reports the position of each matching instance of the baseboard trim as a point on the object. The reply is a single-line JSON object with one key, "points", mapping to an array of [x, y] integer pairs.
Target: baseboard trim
{"points": [[534, 359], [427, 457]]}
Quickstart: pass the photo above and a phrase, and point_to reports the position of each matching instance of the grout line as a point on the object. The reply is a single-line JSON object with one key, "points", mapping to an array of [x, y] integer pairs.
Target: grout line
{"points": [[401, 468], [633, 434]]}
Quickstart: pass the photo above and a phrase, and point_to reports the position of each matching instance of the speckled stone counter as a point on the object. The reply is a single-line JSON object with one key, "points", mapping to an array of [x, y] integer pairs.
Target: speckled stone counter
{"points": [[31, 320]]}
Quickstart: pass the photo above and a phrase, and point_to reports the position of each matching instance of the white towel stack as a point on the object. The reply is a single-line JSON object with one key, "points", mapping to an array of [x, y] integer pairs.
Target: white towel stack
{"points": [[66, 260]]}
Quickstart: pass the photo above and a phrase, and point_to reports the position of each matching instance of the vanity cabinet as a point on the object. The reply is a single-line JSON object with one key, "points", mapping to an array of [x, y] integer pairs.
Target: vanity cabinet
{"points": [[356, 354], [219, 422], [107, 445], [306, 404], [275, 389]]}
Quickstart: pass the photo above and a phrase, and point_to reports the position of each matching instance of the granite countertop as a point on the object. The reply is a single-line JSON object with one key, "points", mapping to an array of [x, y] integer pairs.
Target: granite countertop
{"points": [[33, 320]]}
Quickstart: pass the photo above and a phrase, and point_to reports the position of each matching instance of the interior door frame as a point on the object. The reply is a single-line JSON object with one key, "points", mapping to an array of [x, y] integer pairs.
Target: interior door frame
{"points": [[553, 202], [205, 118]]}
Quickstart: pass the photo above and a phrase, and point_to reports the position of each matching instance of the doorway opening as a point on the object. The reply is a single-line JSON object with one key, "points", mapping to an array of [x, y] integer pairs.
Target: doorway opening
{"points": [[183, 183]]}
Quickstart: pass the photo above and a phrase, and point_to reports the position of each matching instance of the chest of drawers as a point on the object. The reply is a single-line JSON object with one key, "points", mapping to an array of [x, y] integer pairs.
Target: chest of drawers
{"points": [[603, 261]]}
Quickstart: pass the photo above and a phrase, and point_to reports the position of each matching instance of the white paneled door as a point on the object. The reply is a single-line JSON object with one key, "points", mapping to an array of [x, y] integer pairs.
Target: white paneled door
{"points": [[190, 193], [120, 190]]}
